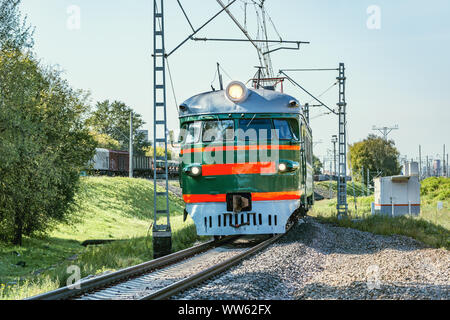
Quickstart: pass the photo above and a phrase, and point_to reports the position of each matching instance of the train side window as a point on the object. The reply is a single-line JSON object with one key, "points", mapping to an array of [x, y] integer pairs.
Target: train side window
{"points": [[190, 132], [295, 128], [286, 129], [308, 149], [218, 130]]}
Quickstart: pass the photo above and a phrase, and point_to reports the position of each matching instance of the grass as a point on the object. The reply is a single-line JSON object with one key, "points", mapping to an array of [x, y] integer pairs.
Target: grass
{"points": [[360, 188], [431, 227], [108, 208]]}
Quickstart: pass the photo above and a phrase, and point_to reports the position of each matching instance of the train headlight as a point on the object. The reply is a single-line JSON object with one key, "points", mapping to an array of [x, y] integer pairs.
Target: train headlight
{"points": [[282, 167], [236, 91], [193, 170], [287, 166]]}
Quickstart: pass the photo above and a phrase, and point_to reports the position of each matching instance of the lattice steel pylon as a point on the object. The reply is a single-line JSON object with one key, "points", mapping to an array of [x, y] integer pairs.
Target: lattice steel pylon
{"points": [[162, 234], [342, 206]]}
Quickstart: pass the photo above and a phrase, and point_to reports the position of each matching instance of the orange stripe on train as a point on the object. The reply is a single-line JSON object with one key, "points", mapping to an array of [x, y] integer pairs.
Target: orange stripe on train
{"points": [[256, 196], [239, 168]]}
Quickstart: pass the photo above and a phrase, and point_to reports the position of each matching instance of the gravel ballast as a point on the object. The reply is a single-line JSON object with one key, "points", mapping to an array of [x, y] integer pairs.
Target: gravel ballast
{"points": [[322, 261]]}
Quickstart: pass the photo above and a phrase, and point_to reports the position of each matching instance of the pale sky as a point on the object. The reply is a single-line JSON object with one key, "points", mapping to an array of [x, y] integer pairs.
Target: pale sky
{"points": [[398, 72]]}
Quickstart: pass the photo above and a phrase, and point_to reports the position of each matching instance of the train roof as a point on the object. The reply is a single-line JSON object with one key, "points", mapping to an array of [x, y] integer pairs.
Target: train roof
{"points": [[257, 101]]}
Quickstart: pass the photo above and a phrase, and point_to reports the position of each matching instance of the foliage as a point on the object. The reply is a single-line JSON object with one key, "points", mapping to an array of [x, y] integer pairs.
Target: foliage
{"points": [[435, 188], [317, 165], [159, 152], [104, 141], [14, 32], [377, 155], [43, 145], [112, 119]]}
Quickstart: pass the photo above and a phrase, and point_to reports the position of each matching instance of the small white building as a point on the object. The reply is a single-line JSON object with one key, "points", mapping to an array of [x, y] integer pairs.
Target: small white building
{"points": [[398, 195]]}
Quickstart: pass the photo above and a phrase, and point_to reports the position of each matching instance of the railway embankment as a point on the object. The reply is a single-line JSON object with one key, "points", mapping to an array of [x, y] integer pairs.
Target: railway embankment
{"points": [[107, 209], [323, 261], [321, 258], [431, 227]]}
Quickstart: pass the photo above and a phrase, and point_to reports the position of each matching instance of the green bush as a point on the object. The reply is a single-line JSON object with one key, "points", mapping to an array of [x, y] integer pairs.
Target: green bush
{"points": [[435, 188], [43, 146]]}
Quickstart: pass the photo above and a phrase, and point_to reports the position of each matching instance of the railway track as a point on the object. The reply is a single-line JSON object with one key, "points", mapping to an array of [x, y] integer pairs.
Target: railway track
{"points": [[166, 276]]}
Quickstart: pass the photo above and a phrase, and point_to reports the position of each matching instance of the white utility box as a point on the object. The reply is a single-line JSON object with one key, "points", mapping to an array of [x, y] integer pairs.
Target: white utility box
{"points": [[398, 195]]}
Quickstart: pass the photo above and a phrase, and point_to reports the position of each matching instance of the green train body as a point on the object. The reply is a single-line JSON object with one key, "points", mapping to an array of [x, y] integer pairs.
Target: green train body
{"points": [[245, 167]]}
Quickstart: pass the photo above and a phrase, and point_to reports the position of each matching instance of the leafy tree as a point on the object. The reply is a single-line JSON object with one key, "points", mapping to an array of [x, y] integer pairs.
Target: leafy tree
{"points": [[317, 165], [14, 32], [113, 119], [104, 141], [43, 139], [377, 155], [159, 152]]}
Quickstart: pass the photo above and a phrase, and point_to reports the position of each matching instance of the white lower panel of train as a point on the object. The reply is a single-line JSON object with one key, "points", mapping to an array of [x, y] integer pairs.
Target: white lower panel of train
{"points": [[266, 217]]}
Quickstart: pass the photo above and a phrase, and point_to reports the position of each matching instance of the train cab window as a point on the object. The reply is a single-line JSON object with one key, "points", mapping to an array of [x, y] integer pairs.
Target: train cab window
{"points": [[286, 129], [251, 129], [218, 130], [190, 132]]}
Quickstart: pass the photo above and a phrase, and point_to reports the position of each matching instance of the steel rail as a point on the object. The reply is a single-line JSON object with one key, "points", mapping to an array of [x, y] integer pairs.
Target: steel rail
{"points": [[126, 273], [197, 278]]}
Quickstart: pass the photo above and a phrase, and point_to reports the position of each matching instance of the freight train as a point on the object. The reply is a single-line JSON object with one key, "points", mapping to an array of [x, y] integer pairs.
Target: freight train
{"points": [[116, 163], [246, 161]]}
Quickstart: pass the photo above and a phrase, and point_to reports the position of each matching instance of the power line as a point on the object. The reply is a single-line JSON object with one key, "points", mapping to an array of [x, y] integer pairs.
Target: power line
{"points": [[197, 30], [185, 15], [320, 95], [310, 94]]}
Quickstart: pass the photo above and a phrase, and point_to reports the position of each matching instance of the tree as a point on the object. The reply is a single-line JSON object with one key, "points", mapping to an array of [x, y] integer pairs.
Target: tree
{"points": [[377, 155], [44, 142], [113, 120], [317, 165], [14, 32], [104, 141], [159, 152]]}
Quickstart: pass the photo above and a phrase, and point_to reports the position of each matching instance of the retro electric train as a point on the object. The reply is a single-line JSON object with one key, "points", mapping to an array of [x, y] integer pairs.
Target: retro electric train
{"points": [[246, 161]]}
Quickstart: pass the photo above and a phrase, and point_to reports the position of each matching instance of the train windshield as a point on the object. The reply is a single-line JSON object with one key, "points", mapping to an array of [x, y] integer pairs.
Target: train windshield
{"points": [[255, 129], [218, 130], [286, 129], [190, 132]]}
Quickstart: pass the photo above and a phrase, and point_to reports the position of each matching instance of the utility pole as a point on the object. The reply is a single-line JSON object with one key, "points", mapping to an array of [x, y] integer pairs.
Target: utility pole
{"points": [[385, 130], [130, 161], [162, 233], [329, 185], [306, 112], [342, 206], [334, 139]]}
